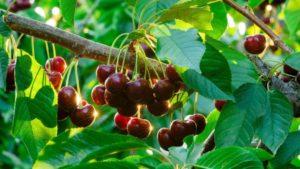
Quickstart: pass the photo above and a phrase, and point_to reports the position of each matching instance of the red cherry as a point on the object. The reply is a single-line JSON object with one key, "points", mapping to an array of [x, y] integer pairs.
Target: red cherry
{"points": [[98, 95], [23, 4], [200, 121], [129, 110], [56, 64], [179, 86], [68, 99], [104, 71], [298, 78], [116, 83], [219, 104], [289, 70], [10, 77], [84, 116], [115, 100], [140, 128], [172, 74], [83, 102], [62, 114], [139, 91], [121, 121], [164, 138], [181, 129], [163, 89], [255, 44], [286, 79], [158, 108], [55, 78], [148, 51]]}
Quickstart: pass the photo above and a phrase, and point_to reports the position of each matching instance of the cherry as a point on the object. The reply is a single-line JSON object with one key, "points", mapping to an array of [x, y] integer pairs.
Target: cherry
{"points": [[289, 70], [277, 2], [163, 89], [158, 108], [83, 102], [19, 5], [255, 44], [200, 121], [181, 129], [286, 79], [68, 99], [298, 78], [219, 104], [104, 71], [62, 114], [266, 20], [139, 91], [116, 83], [55, 78], [148, 51], [172, 74], [164, 138], [98, 95], [129, 110], [84, 116], [121, 121], [129, 74], [115, 100], [140, 128], [10, 77], [179, 86], [56, 64]]}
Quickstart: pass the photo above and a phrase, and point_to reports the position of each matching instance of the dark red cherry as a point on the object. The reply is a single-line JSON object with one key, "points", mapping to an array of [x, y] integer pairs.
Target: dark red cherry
{"points": [[104, 71], [62, 114], [55, 78], [219, 104], [148, 51], [179, 86], [121, 121], [129, 110], [191, 127], [158, 108], [139, 91], [298, 78], [255, 44], [179, 130], [116, 83], [163, 89], [83, 116], [10, 77], [140, 128], [200, 121], [164, 138], [129, 74], [289, 70], [115, 100], [286, 79], [23, 4], [56, 64], [68, 99], [277, 2], [98, 95], [172, 74]]}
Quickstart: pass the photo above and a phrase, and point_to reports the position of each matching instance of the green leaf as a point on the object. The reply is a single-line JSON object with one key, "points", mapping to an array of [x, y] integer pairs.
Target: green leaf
{"points": [[68, 10], [211, 120], [287, 151], [230, 157], [293, 60], [182, 48], [292, 18], [23, 75], [274, 126], [3, 68], [106, 165], [204, 86], [255, 3], [4, 29], [79, 146], [260, 153], [165, 166], [219, 21]]}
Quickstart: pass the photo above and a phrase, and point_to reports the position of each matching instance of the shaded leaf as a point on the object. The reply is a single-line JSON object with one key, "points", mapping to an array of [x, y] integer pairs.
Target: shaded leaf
{"points": [[68, 10], [293, 60]]}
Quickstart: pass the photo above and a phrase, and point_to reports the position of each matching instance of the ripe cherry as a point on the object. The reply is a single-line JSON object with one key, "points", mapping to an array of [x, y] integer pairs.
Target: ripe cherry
{"points": [[164, 138], [163, 89], [286, 79], [140, 128], [181, 129], [158, 108], [83, 116], [98, 95], [129, 110], [10, 77], [179, 86], [172, 74], [255, 44], [148, 51], [55, 78], [200, 121], [104, 71], [121, 121], [219, 104], [139, 91], [68, 99], [298, 78], [116, 83], [289, 70], [56, 64], [115, 100]]}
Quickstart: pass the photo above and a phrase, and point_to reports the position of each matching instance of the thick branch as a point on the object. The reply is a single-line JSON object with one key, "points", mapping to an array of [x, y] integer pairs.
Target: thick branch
{"points": [[80, 46]]}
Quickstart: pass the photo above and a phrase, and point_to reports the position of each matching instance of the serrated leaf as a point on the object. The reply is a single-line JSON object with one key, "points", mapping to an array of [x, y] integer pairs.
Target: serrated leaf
{"points": [[293, 60], [3, 68], [68, 10]]}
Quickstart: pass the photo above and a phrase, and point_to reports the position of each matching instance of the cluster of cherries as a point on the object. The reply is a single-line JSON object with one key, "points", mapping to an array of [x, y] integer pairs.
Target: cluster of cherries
{"points": [[19, 5], [55, 67]]}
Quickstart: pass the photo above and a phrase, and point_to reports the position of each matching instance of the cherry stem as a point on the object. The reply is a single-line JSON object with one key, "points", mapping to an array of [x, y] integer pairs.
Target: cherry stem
{"points": [[120, 51], [77, 77], [34, 80], [123, 62], [113, 45], [69, 73], [53, 49], [32, 47], [47, 50], [196, 102]]}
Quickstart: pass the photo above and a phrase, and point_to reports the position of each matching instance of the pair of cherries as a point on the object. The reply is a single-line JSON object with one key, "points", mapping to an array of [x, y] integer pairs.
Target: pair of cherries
{"points": [[18, 5], [291, 71], [173, 136], [70, 105], [55, 67]]}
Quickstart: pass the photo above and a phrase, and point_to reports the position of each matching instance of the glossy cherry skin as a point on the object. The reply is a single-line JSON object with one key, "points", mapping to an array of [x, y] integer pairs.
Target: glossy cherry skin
{"points": [[68, 99], [172, 74], [129, 110], [116, 83], [289, 70], [139, 91], [10, 77], [140, 128], [158, 108], [181, 129], [56, 64], [55, 78], [19, 5], [219, 104], [255, 44], [121, 121], [163, 89], [200, 121], [98, 95], [115, 100], [148, 51], [83, 116], [165, 139], [104, 71]]}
